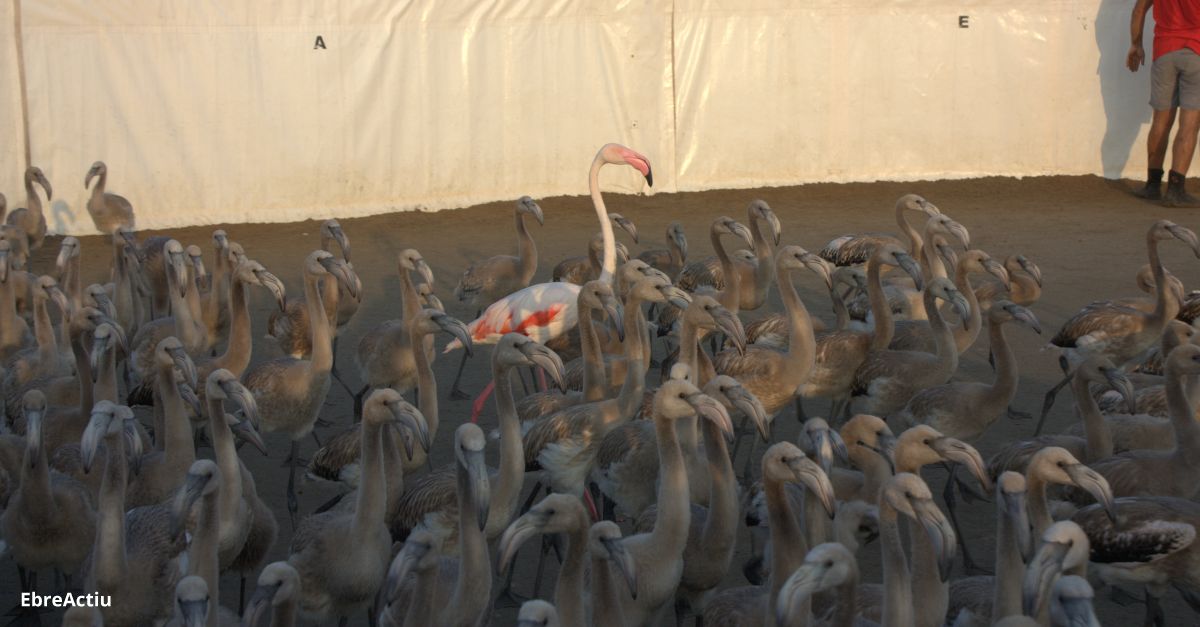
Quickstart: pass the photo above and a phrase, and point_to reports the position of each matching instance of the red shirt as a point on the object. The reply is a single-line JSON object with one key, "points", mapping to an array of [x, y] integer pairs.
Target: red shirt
{"points": [[1176, 26]]}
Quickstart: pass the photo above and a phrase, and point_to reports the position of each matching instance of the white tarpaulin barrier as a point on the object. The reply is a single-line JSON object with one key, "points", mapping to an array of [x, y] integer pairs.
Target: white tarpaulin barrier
{"points": [[234, 111]]}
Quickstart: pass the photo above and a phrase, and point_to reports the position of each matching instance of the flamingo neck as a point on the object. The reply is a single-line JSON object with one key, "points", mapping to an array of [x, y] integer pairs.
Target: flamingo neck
{"points": [[943, 337], [237, 352], [674, 502], [609, 266], [1036, 502], [474, 570], [1098, 442], [322, 351], [1004, 384], [764, 251], [897, 600], [965, 333], [33, 202], [881, 310], [507, 492], [202, 554], [1006, 585], [802, 346], [225, 451], [43, 332], [595, 384], [411, 300], [720, 529], [730, 297], [37, 500], [83, 370], [1187, 430], [110, 567], [426, 383], [915, 243], [106, 380], [527, 252], [369, 508], [568, 592], [788, 544], [606, 604], [178, 429]]}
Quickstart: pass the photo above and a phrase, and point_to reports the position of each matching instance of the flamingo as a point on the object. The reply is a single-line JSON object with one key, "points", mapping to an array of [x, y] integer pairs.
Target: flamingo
{"points": [[546, 311]]}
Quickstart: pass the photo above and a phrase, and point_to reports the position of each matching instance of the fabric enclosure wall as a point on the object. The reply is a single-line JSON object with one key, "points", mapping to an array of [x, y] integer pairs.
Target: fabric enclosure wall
{"points": [[227, 111]]}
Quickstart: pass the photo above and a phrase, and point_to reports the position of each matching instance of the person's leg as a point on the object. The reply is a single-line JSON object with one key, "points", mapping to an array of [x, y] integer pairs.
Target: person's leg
{"points": [[1156, 153], [1185, 140], [1164, 100], [1184, 145]]}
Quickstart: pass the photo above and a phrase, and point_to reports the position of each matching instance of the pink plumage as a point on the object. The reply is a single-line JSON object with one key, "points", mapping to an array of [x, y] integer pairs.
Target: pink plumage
{"points": [[542, 312]]}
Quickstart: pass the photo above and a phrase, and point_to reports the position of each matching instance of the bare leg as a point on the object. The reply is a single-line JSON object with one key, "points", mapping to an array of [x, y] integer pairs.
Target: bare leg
{"points": [[1049, 402], [457, 394], [293, 504], [358, 402], [333, 370], [951, 504]]}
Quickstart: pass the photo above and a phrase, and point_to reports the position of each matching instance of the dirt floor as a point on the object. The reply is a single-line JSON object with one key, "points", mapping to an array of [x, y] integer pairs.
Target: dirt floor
{"points": [[1086, 233]]}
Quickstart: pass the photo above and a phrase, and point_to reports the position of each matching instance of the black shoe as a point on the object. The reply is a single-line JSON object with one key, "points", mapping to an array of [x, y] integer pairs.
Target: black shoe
{"points": [[1149, 191], [1178, 197]]}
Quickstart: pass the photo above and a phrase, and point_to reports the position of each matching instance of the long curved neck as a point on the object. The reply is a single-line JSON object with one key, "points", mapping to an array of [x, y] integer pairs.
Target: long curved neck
{"points": [[676, 252], [192, 296], [527, 251], [609, 266], [37, 500], [369, 509], [730, 297], [225, 451], [931, 261], [109, 565], [178, 429], [1098, 442], [411, 305], [788, 546], [943, 337], [966, 334], [101, 183], [674, 509], [329, 300], [507, 491], [33, 202], [426, 383], [847, 603], [74, 283], [885, 328], [284, 614], [802, 347], [1004, 384], [322, 350], [43, 332], [10, 334], [474, 566], [237, 352], [568, 592], [106, 380], [842, 315], [720, 528], [595, 384], [185, 322], [1161, 289], [875, 469], [764, 251], [1037, 504], [606, 604], [83, 370], [420, 608], [202, 554], [1006, 590], [1187, 430], [897, 599], [629, 400], [915, 243]]}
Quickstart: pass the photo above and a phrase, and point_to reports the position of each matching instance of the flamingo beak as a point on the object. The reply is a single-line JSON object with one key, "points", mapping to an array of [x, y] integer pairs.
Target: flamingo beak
{"points": [[708, 408], [639, 163], [909, 265], [626, 225], [807, 472], [245, 431], [457, 329], [411, 418], [547, 360], [519, 532], [1031, 268]]}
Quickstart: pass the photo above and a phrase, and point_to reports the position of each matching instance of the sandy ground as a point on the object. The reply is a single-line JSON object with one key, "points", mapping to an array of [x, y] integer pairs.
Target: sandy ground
{"points": [[1086, 233]]}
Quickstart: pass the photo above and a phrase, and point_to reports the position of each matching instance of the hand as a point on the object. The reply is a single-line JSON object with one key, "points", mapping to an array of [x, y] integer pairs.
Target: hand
{"points": [[1136, 58]]}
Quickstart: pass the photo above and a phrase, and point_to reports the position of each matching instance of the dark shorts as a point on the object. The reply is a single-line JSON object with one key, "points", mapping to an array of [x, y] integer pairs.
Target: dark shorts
{"points": [[1175, 80]]}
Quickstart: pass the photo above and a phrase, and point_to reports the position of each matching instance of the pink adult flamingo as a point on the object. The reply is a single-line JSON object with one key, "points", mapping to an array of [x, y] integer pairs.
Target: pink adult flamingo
{"points": [[547, 310]]}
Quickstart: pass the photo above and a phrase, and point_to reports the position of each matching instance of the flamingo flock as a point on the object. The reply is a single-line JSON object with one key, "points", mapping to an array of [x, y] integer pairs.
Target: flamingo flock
{"points": [[636, 459]]}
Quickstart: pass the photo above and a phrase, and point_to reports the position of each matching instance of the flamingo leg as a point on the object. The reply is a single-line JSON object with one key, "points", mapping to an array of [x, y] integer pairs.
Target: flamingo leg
{"points": [[477, 406], [1049, 402], [456, 394]]}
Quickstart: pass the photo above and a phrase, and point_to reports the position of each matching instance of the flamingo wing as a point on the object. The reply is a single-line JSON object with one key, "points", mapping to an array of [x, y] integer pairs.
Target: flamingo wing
{"points": [[542, 312]]}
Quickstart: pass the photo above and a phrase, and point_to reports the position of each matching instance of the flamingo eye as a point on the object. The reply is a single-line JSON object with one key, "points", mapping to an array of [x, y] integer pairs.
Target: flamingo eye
{"points": [[926, 442]]}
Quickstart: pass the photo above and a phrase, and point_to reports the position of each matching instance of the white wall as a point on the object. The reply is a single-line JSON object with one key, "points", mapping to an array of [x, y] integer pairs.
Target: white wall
{"points": [[222, 111]]}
